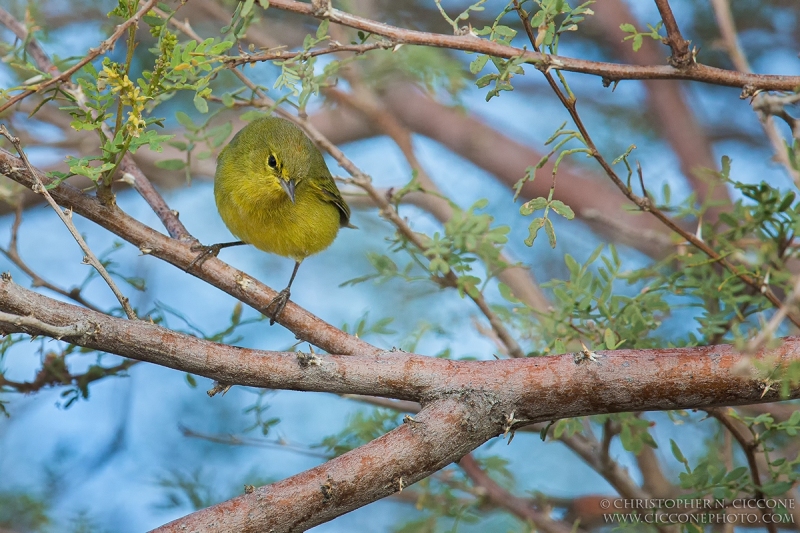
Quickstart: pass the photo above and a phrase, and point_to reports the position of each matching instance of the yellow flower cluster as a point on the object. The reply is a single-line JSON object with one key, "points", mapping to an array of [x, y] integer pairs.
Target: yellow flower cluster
{"points": [[129, 94]]}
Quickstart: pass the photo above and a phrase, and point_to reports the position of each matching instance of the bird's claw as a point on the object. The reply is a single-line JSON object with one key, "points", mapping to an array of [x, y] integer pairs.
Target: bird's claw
{"points": [[205, 253], [279, 302]]}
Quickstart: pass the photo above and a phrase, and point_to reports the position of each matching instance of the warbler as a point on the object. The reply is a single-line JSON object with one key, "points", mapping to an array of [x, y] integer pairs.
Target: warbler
{"points": [[273, 190]]}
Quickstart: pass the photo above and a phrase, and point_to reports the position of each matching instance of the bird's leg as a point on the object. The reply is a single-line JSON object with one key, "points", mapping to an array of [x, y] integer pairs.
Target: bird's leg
{"points": [[279, 302], [207, 251]]}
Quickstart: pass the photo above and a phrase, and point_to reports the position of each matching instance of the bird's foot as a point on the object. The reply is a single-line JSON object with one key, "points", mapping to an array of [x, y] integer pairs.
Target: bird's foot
{"points": [[277, 303], [205, 253]]}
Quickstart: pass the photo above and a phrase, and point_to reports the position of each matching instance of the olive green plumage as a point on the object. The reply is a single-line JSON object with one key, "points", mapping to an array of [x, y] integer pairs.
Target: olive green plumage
{"points": [[274, 190]]}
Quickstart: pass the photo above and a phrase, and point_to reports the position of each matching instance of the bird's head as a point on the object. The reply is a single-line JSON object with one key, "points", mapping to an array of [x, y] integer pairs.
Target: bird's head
{"points": [[281, 167]]}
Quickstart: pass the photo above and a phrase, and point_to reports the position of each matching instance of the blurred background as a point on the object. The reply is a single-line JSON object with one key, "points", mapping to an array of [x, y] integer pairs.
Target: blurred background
{"points": [[150, 446]]}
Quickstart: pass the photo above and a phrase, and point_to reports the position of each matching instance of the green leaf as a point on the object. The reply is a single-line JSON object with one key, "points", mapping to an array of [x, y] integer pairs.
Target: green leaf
{"points": [[171, 164], [533, 230], [776, 489], [478, 64], [506, 293], [551, 232], [627, 27], [200, 103], [247, 7], [185, 120], [532, 206], [562, 209], [735, 474], [677, 451], [191, 381], [610, 339], [322, 31]]}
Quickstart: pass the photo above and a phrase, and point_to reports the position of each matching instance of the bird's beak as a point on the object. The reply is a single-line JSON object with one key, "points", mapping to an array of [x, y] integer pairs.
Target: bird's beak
{"points": [[288, 188]]}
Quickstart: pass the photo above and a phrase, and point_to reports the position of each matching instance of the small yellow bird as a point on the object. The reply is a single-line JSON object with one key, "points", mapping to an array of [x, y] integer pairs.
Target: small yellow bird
{"points": [[274, 191]]}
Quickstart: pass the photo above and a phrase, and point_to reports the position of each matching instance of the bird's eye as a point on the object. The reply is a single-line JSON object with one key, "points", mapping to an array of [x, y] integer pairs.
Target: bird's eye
{"points": [[272, 162]]}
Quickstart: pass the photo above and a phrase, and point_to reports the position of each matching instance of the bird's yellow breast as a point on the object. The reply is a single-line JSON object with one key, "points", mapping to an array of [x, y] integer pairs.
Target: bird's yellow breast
{"points": [[260, 213]]}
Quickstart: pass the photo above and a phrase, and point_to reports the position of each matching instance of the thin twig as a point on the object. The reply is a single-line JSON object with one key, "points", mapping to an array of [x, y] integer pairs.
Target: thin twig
{"points": [[333, 48], [768, 331], [128, 167], [519, 507], [609, 71], [681, 55], [749, 447], [12, 253], [66, 218], [39, 327], [761, 102], [233, 440], [644, 203], [363, 181], [519, 279], [104, 47]]}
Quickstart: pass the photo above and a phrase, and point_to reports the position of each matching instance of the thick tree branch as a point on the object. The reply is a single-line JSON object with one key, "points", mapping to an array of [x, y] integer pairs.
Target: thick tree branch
{"points": [[609, 71], [471, 400], [536, 389]]}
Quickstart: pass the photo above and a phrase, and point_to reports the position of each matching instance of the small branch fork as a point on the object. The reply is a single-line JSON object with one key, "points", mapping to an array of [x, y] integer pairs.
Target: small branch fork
{"points": [[609, 71], [682, 57], [66, 218]]}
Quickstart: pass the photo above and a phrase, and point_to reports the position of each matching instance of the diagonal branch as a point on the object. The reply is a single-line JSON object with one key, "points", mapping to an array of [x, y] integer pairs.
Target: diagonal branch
{"points": [[644, 203], [66, 218], [518, 278], [215, 272], [749, 447], [502, 498], [727, 28]]}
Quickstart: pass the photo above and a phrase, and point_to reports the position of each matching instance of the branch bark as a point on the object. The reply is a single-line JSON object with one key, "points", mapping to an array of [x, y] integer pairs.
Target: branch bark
{"points": [[466, 402], [608, 71]]}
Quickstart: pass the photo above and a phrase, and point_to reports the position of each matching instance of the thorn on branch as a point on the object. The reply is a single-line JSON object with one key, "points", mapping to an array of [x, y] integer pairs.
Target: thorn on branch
{"points": [[306, 360], [408, 419], [218, 388], [508, 424], [327, 489], [585, 355]]}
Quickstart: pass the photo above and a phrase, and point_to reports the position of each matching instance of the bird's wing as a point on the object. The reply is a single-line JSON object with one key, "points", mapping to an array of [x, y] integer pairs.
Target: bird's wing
{"points": [[331, 194]]}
